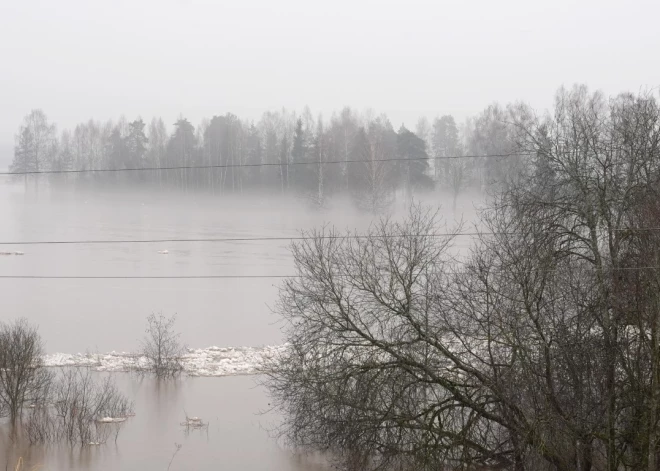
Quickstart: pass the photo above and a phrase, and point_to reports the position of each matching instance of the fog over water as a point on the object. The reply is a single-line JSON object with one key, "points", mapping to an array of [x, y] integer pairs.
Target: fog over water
{"points": [[131, 133], [78, 315], [75, 315]]}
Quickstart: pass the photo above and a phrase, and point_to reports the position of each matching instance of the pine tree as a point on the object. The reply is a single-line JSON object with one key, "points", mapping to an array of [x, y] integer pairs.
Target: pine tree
{"points": [[413, 169], [136, 143], [182, 149]]}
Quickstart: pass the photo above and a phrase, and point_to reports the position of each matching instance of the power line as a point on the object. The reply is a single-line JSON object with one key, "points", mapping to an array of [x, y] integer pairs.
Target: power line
{"points": [[140, 277], [278, 238], [265, 164], [201, 277], [228, 239]]}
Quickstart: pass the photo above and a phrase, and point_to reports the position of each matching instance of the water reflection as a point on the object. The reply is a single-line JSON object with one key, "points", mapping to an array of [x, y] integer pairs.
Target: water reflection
{"points": [[236, 436], [100, 316]]}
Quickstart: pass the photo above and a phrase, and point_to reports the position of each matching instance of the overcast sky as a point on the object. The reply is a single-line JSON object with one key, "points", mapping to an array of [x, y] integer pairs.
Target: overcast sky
{"points": [[82, 59]]}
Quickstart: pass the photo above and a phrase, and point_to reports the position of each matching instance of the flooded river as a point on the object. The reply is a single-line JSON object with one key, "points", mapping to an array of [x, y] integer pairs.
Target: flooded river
{"points": [[101, 315]]}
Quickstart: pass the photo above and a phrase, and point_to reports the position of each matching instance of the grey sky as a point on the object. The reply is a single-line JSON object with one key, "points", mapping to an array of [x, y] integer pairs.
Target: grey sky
{"points": [[82, 59]]}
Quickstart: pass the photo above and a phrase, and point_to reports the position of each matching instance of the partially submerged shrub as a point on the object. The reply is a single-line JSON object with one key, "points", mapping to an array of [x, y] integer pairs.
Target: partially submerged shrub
{"points": [[23, 379], [161, 348], [84, 406], [81, 410], [73, 406]]}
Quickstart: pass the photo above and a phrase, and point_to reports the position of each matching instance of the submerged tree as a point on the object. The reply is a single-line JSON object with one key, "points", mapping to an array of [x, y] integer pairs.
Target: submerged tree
{"points": [[161, 347], [72, 406], [87, 411], [23, 380]]}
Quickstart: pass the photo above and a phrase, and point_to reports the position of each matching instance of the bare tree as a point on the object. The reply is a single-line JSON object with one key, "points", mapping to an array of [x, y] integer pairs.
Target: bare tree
{"points": [[541, 352], [360, 379], [22, 376], [161, 347], [597, 168], [87, 411], [35, 143], [80, 410]]}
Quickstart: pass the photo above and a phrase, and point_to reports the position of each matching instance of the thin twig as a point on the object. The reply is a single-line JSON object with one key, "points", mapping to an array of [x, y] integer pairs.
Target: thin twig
{"points": [[178, 447]]}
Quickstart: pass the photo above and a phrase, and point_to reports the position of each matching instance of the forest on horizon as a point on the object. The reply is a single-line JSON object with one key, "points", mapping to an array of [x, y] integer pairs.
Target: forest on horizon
{"points": [[356, 154]]}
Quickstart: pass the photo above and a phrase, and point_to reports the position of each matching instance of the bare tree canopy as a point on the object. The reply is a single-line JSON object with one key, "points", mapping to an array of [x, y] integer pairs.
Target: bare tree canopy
{"points": [[47, 408], [22, 377], [541, 352], [161, 347]]}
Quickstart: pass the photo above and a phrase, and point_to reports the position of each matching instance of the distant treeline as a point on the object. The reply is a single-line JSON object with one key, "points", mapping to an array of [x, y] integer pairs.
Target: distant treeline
{"points": [[282, 141]]}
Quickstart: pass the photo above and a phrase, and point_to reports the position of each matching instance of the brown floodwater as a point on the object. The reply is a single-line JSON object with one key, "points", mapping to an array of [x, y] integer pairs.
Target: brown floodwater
{"points": [[77, 315], [239, 435]]}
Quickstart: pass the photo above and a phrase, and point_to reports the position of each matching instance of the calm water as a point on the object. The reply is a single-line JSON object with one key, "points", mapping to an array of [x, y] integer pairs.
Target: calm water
{"points": [[237, 437], [105, 315]]}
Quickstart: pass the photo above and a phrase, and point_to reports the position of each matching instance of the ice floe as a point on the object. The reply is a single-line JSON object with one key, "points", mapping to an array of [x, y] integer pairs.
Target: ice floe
{"points": [[111, 420], [211, 361]]}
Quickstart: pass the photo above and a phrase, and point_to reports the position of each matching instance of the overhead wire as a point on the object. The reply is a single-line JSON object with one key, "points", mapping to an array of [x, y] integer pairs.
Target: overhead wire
{"points": [[262, 164], [198, 277], [280, 238], [243, 239]]}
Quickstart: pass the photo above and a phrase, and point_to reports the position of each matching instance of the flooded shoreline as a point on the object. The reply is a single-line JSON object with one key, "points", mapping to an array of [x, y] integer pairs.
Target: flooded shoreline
{"points": [[239, 435]]}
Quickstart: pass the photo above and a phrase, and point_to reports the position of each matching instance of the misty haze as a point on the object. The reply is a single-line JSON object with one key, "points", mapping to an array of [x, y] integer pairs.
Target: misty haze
{"points": [[346, 235]]}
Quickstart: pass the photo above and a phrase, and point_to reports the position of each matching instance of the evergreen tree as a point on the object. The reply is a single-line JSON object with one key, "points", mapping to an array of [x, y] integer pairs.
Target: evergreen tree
{"points": [[136, 143], [413, 170], [182, 149]]}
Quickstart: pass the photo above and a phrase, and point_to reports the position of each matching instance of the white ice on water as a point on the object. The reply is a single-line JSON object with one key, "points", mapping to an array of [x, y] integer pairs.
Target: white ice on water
{"points": [[111, 420], [211, 361]]}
